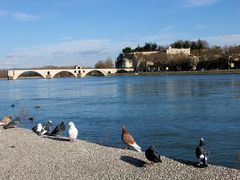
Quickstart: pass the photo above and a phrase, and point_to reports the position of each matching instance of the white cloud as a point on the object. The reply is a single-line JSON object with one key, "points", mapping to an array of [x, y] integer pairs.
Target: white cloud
{"points": [[221, 40], [24, 16], [168, 28], [83, 52], [3, 13], [194, 3], [19, 16]]}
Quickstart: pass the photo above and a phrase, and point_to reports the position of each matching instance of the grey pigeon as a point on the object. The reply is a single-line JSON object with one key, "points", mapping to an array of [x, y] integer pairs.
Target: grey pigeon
{"points": [[58, 131], [37, 129], [153, 155], [202, 153]]}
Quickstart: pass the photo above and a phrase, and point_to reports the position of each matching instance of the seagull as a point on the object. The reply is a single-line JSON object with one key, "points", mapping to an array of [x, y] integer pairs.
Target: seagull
{"points": [[46, 128], [58, 131], [38, 128], [202, 153], [128, 140], [153, 155], [72, 131], [5, 120]]}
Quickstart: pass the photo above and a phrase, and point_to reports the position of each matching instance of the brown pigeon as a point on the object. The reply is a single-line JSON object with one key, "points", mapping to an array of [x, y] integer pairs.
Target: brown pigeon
{"points": [[128, 139], [5, 120]]}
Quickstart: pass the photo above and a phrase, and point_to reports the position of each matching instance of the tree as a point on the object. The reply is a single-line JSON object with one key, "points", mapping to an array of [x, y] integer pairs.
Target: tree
{"points": [[104, 64], [127, 50]]}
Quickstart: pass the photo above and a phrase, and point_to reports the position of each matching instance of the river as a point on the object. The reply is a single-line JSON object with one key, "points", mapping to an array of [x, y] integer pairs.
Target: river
{"points": [[170, 112]]}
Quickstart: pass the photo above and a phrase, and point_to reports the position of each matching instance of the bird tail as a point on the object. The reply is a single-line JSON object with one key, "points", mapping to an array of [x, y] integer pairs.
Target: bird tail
{"points": [[137, 147]]}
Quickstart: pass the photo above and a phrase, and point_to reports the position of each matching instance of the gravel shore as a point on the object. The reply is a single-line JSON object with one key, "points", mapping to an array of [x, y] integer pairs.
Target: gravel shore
{"points": [[24, 155]]}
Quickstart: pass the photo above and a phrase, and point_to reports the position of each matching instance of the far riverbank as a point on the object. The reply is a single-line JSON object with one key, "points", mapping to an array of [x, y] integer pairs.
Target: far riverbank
{"points": [[162, 73]]}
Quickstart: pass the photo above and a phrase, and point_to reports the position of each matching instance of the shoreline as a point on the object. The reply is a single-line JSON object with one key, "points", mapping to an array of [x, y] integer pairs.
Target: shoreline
{"points": [[166, 73], [25, 155], [162, 73]]}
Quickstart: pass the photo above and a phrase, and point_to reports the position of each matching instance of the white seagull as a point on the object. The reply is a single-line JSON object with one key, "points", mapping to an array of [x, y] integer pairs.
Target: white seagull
{"points": [[72, 131]]}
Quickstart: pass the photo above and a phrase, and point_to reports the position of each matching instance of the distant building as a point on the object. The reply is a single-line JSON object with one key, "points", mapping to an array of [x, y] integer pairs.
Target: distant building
{"points": [[132, 60], [144, 53], [124, 63], [173, 51]]}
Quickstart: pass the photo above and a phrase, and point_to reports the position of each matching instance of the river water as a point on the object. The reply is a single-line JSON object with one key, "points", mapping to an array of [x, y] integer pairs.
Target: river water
{"points": [[170, 112]]}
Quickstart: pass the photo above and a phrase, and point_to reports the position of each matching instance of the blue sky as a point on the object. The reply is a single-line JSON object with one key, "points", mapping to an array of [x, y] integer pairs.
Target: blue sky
{"points": [[37, 33]]}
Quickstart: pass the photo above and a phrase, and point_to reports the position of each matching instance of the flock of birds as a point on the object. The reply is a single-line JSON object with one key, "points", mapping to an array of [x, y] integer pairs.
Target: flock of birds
{"points": [[151, 153]]}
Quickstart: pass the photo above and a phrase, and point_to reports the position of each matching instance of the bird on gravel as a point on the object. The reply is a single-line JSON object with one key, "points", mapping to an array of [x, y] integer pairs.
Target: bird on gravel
{"points": [[46, 128], [72, 132], [12, 124], [202, 153], [58, 131], [128, 140], [153, 155], [5, 120], [38, 128]]}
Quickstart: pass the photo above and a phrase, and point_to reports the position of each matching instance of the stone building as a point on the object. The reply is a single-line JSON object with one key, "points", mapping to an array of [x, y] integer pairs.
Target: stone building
{"points": [[174, 51]]}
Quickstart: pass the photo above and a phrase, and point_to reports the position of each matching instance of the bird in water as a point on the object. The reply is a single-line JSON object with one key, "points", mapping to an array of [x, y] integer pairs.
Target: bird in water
{"points": [[59, 129], [37, 107], [202, 153], [128, 140], [31, 119], [72, 132], [153, 155]]}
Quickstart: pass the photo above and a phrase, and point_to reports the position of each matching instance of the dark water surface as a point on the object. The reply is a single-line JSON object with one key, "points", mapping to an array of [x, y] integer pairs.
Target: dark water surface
{"points": [[170, 112]]}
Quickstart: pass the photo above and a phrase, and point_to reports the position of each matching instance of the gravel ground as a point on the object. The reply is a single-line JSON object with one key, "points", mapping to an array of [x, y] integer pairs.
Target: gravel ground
{"points": [[24, 155]]}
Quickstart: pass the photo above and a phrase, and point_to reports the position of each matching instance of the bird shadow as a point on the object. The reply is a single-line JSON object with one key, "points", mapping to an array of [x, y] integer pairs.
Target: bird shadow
{"points": [[188, 163], [57, 138], [133, 161]]}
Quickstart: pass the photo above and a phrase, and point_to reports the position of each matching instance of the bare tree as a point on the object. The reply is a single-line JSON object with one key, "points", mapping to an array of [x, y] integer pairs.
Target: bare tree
{"points": [[104, 64]]}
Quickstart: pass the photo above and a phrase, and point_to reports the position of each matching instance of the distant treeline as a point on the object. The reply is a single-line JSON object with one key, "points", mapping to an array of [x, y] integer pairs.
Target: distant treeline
{"points": [[193, 45], [3, 73], [202, 56]]}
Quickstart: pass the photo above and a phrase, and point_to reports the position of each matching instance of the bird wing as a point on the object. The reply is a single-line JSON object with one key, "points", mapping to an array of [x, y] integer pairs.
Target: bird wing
{"points": [[127, 138]]}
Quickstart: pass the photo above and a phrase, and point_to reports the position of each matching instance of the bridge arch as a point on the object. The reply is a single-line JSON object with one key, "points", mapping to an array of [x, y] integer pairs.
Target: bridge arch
{"points": [[29, 71], [95, 71], [121, 71], [63, 71]]}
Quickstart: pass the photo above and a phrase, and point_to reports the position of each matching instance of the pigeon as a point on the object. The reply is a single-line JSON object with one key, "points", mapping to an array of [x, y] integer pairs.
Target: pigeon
{"points": [[38, 128], [153, 155], [46, 128], [72, 131], [5, 120], [128, 140], [202, 153], [12, 124], [58, 131]]}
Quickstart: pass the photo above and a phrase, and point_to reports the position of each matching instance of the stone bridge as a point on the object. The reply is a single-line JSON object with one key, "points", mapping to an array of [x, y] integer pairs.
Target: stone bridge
{"points": [[77, 72]]}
